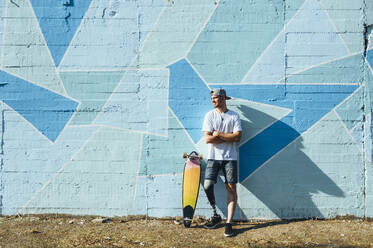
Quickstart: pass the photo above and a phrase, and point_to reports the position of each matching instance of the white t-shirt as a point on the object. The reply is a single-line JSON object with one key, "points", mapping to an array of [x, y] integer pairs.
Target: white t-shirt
{"points": [[228, 122]]}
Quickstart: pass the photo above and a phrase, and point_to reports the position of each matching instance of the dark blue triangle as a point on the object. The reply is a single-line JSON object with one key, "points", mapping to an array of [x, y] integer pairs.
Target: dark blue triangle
{"points": [[47, 111], [189, 98], [59, 20]]}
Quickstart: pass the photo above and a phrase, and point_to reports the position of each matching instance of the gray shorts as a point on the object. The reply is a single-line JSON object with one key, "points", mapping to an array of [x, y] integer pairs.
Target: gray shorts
{"points": [[229, 168]]}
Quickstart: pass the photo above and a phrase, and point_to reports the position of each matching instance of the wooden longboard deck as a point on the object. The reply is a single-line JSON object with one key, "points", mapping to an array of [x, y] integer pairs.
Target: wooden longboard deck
{"points": [[191, 182]]}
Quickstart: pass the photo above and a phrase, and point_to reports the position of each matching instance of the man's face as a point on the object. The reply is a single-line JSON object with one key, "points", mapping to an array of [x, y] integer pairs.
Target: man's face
{"points": [[217, 101]]}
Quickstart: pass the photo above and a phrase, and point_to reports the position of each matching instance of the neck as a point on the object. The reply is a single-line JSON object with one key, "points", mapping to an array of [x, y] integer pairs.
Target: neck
{"points": [[222, 109]]}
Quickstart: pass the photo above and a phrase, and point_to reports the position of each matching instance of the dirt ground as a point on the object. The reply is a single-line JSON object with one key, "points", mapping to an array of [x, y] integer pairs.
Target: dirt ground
{"points": [[138, 231]]}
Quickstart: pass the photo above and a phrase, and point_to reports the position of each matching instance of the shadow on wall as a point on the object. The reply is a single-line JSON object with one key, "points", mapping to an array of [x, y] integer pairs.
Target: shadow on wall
{"points": [[285, 184]]}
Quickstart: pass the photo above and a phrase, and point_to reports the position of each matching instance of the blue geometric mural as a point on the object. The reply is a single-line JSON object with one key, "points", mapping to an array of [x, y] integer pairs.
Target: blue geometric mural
{"points": [[120, 90]]}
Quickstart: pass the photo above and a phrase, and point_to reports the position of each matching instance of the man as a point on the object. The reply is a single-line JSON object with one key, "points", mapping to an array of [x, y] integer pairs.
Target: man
{"points": [[222, 130]]}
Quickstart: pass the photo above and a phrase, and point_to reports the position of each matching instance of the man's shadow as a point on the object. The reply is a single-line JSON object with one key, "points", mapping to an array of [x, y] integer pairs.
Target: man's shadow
{"points": [[285, 185]]}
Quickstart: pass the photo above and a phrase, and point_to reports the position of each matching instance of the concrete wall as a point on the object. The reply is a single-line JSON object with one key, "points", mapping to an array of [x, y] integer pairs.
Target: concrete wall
{"points": [[100, 98]]}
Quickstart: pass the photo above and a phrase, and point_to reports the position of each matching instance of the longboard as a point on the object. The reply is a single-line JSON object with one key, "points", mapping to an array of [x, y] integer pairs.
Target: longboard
{"points": [[191, 181]]}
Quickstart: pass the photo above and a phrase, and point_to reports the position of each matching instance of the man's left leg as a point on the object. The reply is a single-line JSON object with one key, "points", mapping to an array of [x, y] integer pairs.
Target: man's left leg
{"points": [[230, 172], [231, 201]]}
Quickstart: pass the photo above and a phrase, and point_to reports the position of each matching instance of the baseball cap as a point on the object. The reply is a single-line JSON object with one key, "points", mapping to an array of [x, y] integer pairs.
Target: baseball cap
{"points": [[220, 92]]}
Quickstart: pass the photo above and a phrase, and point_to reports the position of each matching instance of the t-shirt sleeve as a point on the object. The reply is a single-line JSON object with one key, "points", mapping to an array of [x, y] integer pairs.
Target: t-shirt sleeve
{"points": [[237, 124], [207, 124]]}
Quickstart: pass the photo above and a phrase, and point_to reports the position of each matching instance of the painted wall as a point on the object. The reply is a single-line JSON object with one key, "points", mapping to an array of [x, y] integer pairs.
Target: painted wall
{"points": [[100, 98]]}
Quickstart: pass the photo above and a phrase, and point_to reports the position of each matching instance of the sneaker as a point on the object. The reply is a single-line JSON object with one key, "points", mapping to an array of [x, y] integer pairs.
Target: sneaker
{"points": [[213, 222], [228, 230]]}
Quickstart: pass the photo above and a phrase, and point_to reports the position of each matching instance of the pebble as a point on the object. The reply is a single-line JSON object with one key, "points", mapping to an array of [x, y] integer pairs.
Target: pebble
{"points": [[106, 221], [71, 221], [101, 220]]}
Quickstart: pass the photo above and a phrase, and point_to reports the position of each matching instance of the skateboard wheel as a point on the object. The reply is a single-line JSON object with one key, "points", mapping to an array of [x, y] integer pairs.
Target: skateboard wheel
{"points": [[200, 156], [187, 223], [185, 155]]}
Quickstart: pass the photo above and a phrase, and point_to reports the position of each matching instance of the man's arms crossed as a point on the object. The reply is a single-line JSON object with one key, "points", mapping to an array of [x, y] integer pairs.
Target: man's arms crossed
{"points": [[218, 137]]}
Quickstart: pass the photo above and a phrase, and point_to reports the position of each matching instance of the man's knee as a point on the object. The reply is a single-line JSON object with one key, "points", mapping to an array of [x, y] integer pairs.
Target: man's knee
{"points": [[208, 185], [232, 191], [231, 187]]}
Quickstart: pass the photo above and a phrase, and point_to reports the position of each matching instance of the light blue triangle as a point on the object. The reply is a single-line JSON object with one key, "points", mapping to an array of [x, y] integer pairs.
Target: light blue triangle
{"points": [[162, 46], [347, 17], [308, 39], [358, 133], [27, 54], [59, 21], [346, 70], [155, 148], [352, 110], [92, 89], [140, 102]]}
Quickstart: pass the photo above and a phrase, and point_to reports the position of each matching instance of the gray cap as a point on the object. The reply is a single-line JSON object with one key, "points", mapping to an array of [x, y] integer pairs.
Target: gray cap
{"points": [[220, 92]]}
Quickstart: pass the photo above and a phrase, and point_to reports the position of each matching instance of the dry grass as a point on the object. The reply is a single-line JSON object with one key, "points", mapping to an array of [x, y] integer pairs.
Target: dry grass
{"points": [[137, 231]]}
